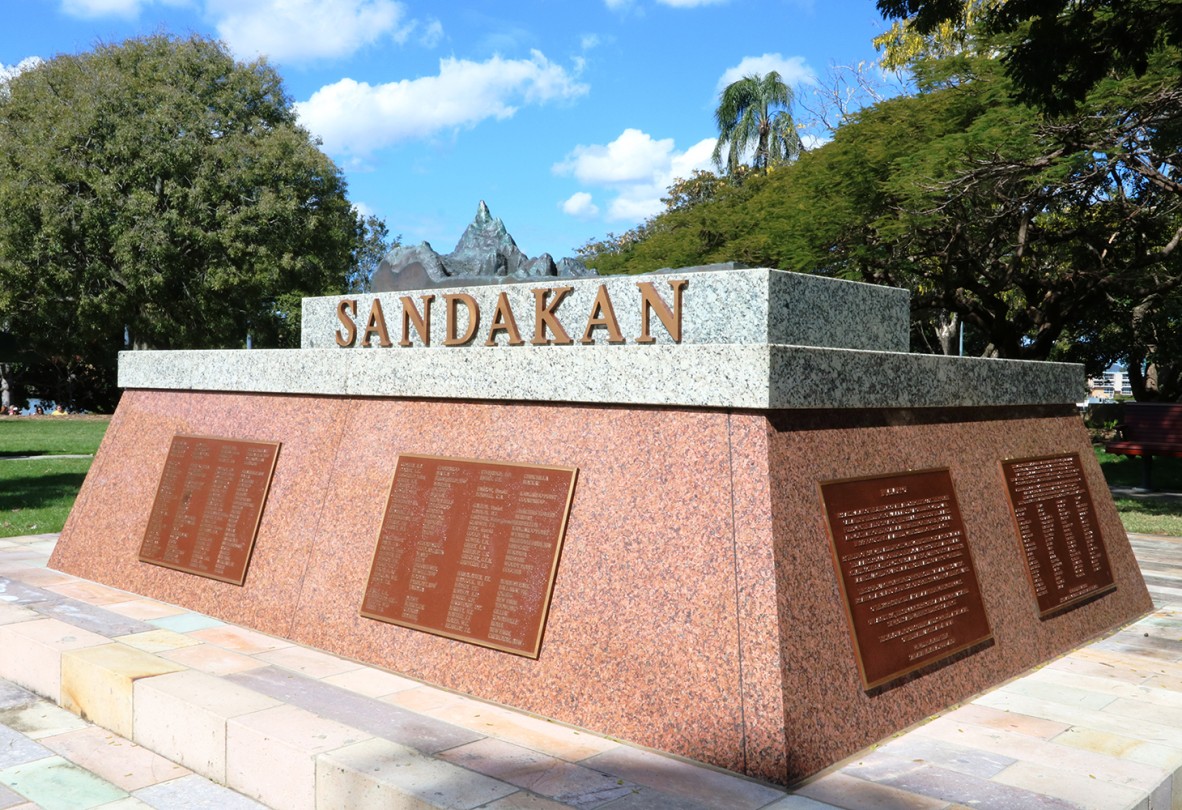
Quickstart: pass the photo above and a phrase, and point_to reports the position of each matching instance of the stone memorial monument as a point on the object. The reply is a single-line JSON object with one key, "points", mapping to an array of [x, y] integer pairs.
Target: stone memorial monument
{"points": [[717, 511]]}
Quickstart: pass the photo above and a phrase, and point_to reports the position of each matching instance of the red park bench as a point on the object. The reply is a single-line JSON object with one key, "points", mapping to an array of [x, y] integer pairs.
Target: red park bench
{"points": [[1149, 429]]}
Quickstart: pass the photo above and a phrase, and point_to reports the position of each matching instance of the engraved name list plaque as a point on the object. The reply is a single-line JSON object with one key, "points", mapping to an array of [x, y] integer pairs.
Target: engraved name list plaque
{"points": [[208, 506], [911, 591], [1056, 523], [469, 550]]}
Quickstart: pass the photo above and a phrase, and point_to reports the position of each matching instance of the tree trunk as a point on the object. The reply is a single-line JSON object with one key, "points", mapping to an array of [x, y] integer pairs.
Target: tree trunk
{"points": [[5, 386]]}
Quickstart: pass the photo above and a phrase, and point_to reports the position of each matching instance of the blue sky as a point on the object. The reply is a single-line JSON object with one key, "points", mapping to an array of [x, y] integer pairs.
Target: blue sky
{"points": [[568, 117]]}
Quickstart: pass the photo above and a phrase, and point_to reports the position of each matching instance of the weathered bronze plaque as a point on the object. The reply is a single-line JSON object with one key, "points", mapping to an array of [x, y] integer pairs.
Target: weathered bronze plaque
{"points": [[469, 550], [1056, 523], [208, 506], [910, 588]]}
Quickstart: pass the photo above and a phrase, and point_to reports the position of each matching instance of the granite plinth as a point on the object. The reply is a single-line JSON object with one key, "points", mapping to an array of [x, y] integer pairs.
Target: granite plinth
{"points": [[711, 376], [695, 609], [745, 306]]}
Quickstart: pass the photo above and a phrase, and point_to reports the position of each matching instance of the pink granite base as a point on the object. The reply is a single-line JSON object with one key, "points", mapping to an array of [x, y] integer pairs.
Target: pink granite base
{"points": [[695, 609]]}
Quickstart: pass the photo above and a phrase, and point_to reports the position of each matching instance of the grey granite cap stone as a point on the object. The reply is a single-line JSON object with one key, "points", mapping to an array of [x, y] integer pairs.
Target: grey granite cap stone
{"points": [[749, 306]]}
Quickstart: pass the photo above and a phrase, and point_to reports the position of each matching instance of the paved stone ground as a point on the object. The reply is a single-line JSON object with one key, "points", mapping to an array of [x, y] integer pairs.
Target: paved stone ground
{"points": [[1098, 728]]}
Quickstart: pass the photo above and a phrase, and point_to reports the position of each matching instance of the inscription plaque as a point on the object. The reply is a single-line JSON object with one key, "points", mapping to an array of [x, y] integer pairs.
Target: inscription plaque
{"points": [[208, 506], [1056, 522], [903, 563], [469, 550]]}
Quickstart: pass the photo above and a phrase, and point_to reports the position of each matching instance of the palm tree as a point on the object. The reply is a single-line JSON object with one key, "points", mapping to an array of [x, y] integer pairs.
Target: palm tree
{"points": [[756, 111]]}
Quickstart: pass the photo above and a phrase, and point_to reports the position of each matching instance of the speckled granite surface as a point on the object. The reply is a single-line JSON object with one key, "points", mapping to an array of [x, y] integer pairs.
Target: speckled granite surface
{"points": [[758, 306], [695, 610], [711, 375]]}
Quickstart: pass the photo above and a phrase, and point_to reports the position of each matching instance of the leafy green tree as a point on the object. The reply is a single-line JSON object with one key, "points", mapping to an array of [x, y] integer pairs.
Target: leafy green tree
{"points": [[755, 113], [376, 242], [159, 194], [1058, 50]]}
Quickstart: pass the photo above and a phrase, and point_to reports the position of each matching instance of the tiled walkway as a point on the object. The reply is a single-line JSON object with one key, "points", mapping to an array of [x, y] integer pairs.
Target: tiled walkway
{"points": [[293, 727]]}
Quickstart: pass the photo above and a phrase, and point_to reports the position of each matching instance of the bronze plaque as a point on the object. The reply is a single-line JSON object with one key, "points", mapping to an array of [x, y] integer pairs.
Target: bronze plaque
{"points": [[910, 588], [1056, 523], [469, 550], [208, 506]]}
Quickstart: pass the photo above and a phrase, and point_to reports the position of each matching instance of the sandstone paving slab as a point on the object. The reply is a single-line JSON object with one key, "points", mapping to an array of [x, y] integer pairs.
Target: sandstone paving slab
{"points": [[194, 793], [367, 714], [157, 641], [10, 799], [572, 784], [1061, 693], [948, 785], [14, 591], [851, 793], [1030, 725], [40, 719], [91, 618], [1161, 696], [683, 779], [970, 761], [12, 695], [257, 742], [212, 659], [45, 578], [186, 622], [240, 639], [379, 773], [1094, 794], [1100, 721], [17, 749], [524, 801], [309, 662], [57, 784], [185, 714], [114, 758], [90, 592], [145, 609], [12, 613], [372, 682], [1110, 744], [539, 734], [1072, 763], [97, 682]]}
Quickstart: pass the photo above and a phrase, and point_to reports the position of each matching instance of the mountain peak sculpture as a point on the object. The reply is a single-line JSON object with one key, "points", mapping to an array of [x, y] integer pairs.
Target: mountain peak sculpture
{"points": [[485, 254]]}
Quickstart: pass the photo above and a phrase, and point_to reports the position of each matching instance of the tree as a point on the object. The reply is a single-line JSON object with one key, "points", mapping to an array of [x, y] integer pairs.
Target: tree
{"points": [[158, 192], [754, 112], [375, 243], [1059, 50]]}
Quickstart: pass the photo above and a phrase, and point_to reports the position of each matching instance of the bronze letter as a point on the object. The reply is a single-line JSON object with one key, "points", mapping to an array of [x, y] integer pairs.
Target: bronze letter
{"points": [[346, 311], [650, 300], [468, 301], [503, 321], [544, 316], [422, 322], [602, 314], [376, 325]]}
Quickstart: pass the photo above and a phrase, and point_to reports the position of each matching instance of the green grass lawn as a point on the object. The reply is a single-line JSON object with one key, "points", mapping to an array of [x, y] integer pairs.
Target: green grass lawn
{"points": [[36, 494], [1145, 514]]}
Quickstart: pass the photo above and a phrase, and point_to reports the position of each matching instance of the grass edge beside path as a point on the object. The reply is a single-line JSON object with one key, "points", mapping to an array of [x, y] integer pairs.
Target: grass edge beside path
{"points": [[36, 494]]}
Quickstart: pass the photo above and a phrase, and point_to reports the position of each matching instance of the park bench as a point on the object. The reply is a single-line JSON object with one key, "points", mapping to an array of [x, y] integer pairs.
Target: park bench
{"points": [[1149, 429]]}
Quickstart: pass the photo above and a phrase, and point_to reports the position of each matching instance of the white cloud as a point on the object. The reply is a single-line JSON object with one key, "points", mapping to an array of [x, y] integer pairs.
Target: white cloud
{"points": [[792, 70], [432, 34], [293, 30], [357, 118], [636, 168], [689, 3], [28, 63], [103, 8], [580, 206], [589, 41]]}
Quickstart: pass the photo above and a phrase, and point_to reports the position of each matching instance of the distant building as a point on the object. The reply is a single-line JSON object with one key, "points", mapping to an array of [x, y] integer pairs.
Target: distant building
{"points": [[1111, 384]]}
